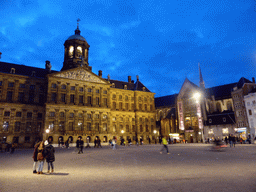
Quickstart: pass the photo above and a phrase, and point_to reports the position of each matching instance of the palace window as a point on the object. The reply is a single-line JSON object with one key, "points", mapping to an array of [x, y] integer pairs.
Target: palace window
{"points": [[62, 126], [29, 115], [63, 97], [105, 92], [80, 115], [89, 126], [113, 96], [18, 114], [81, 99], [31, 97], [145, 107], [39, 116], [71, 126], [72, 98], [54, 85], [114, 105], [28, 126], [147, 130], [9, 96], [32, 87], [61, 114], [141, 128], [126, 98], [72, 88], [97, 91], [133, 128], [27, 139], [120, 106], [1, 83], [89, 100], [53, 97], [120, 96], [81, 89], [7, 113], [71, 115], [63, 86], [22, 85], [89, 116], [127, 128], [250, 112], [105, 116], [105, 127], [97, 126], [38, 127], [105, 101], [17, 126], [97, 101], [89, 90], [97, 116], [52, 114], [126, 106], [6, 126], [80, 125], [114, 128], [10, 84]]}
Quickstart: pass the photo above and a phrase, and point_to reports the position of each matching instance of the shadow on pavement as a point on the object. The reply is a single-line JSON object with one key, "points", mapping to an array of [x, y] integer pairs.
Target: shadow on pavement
{"points": [[61, 174]]}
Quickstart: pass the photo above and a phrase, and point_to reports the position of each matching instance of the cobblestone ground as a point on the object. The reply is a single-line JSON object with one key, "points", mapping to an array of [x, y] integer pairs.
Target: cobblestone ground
{"points": [[188, 167]]}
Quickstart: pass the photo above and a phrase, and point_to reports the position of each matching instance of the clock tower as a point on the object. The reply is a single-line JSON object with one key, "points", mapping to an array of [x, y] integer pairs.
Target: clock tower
{"points": [[76, 51]]}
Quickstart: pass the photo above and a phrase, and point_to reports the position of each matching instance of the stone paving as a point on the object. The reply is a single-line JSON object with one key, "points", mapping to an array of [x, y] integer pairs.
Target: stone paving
{"points": [[188, 167]]}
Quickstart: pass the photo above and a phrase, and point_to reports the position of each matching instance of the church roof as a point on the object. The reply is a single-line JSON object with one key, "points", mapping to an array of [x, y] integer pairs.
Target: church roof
{"points": [[79, 37], [225, 117], [23, 70], [165, 101], [220, 92]]}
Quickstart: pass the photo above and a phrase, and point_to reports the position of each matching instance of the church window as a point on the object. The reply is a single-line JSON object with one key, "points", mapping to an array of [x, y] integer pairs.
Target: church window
{"points": [[71, 51], [7, 113]]}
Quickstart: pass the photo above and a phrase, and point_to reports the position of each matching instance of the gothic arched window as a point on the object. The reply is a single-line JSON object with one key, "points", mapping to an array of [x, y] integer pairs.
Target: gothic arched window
{"points": [[229, 106]]}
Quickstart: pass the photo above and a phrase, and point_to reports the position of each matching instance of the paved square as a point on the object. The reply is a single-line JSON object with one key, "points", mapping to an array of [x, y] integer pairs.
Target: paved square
{"points": [[188, 167]]}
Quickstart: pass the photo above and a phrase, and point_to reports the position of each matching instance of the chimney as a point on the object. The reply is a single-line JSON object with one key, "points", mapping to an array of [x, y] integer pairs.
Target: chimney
{"points": [[253, 80], [100, 73], [129, 79], [48, 65]]}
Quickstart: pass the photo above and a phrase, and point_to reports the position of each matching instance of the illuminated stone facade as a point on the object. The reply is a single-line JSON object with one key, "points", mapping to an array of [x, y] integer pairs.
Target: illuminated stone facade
{"points": [[73, 102]]}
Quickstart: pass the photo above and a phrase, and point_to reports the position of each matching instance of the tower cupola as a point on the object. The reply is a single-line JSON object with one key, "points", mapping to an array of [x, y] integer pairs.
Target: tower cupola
{"points": [[76, 51]]}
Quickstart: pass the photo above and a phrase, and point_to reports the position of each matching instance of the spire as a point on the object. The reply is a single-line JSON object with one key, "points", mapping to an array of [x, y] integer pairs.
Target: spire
{"points": [[201, 82], [77, 31]]}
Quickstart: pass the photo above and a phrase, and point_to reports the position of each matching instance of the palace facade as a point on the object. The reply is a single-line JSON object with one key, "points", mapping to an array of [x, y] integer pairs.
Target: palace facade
{"points": [[72, 102]]}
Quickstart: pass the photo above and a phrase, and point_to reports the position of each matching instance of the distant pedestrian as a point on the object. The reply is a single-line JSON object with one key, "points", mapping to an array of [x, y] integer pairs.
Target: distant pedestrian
{"points": [[149, 140], [99, 143], [88, 142], [41, 156], [81, 145], [67, 143], [226, 140], [35, 156], [234, 140], [50, 156], [13, 147], [230, 138], [77, 144], [164, 141], [95, 142], [114, 143]]}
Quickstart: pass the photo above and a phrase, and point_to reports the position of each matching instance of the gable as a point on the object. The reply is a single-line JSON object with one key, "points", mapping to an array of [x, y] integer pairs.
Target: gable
{"points": [[79, 74], [187, 88]]}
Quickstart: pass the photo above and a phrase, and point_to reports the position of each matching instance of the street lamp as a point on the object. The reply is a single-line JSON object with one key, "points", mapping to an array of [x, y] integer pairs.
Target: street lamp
{"points": [[47, 132], [155, 135]]}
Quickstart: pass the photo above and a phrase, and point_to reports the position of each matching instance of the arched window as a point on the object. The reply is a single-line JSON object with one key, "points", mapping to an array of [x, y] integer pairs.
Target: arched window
{"points": [[71, 51], [79, 51]]}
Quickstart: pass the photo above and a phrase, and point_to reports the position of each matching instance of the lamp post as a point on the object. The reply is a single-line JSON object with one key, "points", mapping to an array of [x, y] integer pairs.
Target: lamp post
{"points": [[47, 132], [155, 135], [197, 97]]}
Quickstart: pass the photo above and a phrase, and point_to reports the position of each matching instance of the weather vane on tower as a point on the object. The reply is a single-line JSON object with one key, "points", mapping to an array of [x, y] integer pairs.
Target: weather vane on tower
{"points": [[78, 23]]}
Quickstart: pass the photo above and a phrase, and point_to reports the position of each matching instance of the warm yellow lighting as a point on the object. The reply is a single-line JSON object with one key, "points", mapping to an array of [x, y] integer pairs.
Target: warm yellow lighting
{"points": [[155, 131], [47, 131], [174, 134], [122, 131]]}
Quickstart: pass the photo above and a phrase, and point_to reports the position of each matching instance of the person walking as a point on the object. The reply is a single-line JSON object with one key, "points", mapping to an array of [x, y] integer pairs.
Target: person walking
{"points": [[81, 145], [99, 143], [95, 142], [114, 143], [41, 156], [230, 138], [164, 141], [35, 157], [50, 156], [77, 144]]}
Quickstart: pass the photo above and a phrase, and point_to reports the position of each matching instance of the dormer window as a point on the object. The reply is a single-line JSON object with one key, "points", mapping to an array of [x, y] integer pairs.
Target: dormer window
{"points": [[125, 86], [12, 71], [113, 85], [144, 88], [33, 74]]}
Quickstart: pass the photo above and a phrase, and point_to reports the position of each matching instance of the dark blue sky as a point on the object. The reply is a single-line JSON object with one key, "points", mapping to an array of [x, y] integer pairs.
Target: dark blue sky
{"points": [[161, 41]]}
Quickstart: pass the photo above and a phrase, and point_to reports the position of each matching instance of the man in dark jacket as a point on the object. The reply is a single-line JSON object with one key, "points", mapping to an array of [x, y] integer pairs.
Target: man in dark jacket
{"points": [[50, 157], [81, 146]]}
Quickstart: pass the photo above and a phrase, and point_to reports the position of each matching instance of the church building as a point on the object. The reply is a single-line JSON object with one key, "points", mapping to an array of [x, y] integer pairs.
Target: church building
{"points": [[73, 102]]}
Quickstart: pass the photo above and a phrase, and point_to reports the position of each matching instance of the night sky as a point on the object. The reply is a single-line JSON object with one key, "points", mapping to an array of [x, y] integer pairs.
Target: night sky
{"points": [[162, 41]]}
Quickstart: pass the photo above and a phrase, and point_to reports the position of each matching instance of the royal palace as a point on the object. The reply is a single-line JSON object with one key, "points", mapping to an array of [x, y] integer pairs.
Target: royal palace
{"points": [[72, 102]]}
